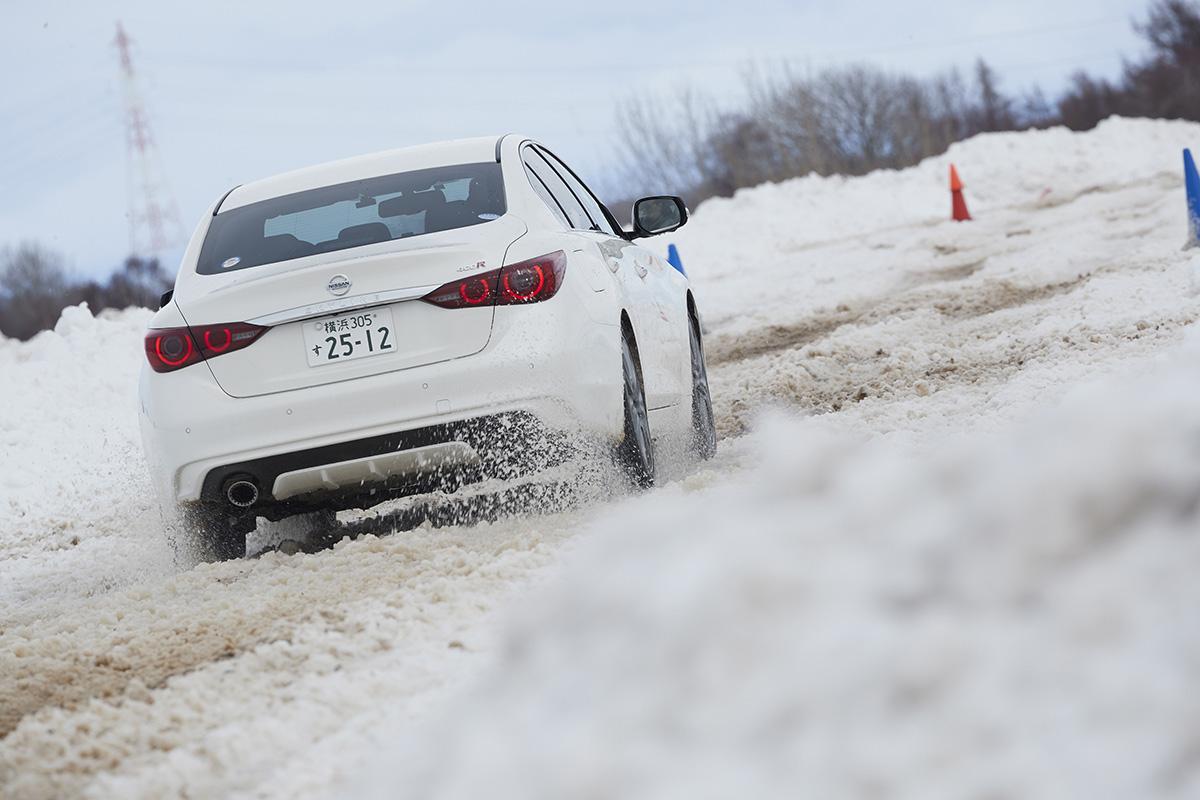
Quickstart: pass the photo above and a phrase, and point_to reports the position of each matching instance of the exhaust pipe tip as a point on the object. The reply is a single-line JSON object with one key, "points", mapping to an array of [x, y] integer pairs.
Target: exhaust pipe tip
{"points": [[241, 492]]}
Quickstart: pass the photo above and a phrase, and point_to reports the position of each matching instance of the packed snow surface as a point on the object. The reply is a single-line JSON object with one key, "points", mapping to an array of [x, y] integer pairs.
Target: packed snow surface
{"points": [[945, 550]]}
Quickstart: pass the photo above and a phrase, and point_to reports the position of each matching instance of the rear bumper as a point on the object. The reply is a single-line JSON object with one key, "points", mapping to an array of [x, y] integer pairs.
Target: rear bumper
{"points": [[364, 472], [556, 371]]}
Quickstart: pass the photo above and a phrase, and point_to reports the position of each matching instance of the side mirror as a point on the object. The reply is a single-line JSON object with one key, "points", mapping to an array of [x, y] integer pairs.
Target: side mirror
{"points": [[661, 214]]}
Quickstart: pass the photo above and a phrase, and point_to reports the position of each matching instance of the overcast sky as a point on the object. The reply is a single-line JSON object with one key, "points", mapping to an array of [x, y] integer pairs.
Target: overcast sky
{"points": [[240, 90]]}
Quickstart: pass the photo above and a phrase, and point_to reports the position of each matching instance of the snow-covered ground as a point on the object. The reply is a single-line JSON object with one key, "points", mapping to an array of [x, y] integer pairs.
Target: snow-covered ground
{"points": [[944, 551]]}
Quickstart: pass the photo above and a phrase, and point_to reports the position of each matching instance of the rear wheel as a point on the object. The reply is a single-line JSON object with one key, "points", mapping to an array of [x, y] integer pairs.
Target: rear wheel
{"points": [[212, 534], [704, 429], [636, 451]]}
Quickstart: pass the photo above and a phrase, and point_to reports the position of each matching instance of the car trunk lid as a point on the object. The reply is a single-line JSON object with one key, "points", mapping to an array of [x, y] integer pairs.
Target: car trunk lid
{"points": [[381, 282]]}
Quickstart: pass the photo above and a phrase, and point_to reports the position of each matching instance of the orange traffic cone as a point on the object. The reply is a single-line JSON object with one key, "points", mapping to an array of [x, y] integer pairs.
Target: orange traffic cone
{"points": [[958, 205]]}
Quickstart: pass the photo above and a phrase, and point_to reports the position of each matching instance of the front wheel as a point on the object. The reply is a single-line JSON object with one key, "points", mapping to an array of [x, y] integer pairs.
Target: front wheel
{"points": [[635, 454], [704, 428]]}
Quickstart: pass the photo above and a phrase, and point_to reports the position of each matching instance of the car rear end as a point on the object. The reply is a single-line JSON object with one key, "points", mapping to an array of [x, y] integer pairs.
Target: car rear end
{"points": [[339, 344]]}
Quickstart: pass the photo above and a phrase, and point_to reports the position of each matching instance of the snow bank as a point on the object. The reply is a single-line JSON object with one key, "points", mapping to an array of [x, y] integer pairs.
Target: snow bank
{"points": [[1027, 169], [759, 252], [75, 505], [1009, 617], [831, 294], [69, 428]]}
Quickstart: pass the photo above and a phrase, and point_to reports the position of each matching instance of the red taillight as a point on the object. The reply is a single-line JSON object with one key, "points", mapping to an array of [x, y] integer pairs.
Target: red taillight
{"points": [[527, 282], [476, 291], [224, 336], [169, 349], [532, 281]]}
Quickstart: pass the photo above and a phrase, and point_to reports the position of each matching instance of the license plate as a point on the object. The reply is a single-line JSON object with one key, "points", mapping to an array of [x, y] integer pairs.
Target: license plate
{"points": [[332, 340]]}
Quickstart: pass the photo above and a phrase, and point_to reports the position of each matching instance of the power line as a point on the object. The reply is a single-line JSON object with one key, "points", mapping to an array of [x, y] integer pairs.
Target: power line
{"points": [[1080, 59], [987, 37]]}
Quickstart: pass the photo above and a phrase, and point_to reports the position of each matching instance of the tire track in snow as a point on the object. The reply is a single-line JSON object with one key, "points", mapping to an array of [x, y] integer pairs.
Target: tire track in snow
{"points": [[916, 345], [724, 348], [85, 691], [997, 308], [216, 611]]}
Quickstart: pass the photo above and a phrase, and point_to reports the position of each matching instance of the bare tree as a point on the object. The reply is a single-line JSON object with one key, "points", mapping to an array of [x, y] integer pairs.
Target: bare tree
{"points": [[1087, 102], [994, 110], [843, 121], [1035, 110], [860, 108], [663, 140], [140, 282], [1172, 28], [34, 288], [1166, 84], [784, 105]]}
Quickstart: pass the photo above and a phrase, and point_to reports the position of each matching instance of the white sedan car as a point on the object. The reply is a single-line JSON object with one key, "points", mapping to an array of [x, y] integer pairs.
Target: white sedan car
{"points": [[412, 320]]}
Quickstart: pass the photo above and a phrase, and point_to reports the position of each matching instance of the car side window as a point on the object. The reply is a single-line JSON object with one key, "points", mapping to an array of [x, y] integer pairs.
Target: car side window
{"points": [[570, 206], [581, 193], [543, 191]]}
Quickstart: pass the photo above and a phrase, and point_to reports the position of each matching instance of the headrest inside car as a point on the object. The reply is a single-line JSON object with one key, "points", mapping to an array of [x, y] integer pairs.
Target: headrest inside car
{"points": [[413, 203], [368, 233]]}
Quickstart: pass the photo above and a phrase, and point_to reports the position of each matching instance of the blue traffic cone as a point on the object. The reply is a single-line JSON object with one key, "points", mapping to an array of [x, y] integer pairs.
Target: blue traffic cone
{"points": [[1191, 181], [673, 251]]}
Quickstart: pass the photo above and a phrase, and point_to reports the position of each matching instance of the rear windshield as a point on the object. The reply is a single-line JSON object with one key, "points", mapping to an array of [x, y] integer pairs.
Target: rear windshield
{"points": [[352, 215]]}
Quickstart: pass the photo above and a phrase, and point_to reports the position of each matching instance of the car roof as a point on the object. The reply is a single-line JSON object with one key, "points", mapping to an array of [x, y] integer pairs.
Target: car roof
{"points": [[387, 162]]}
